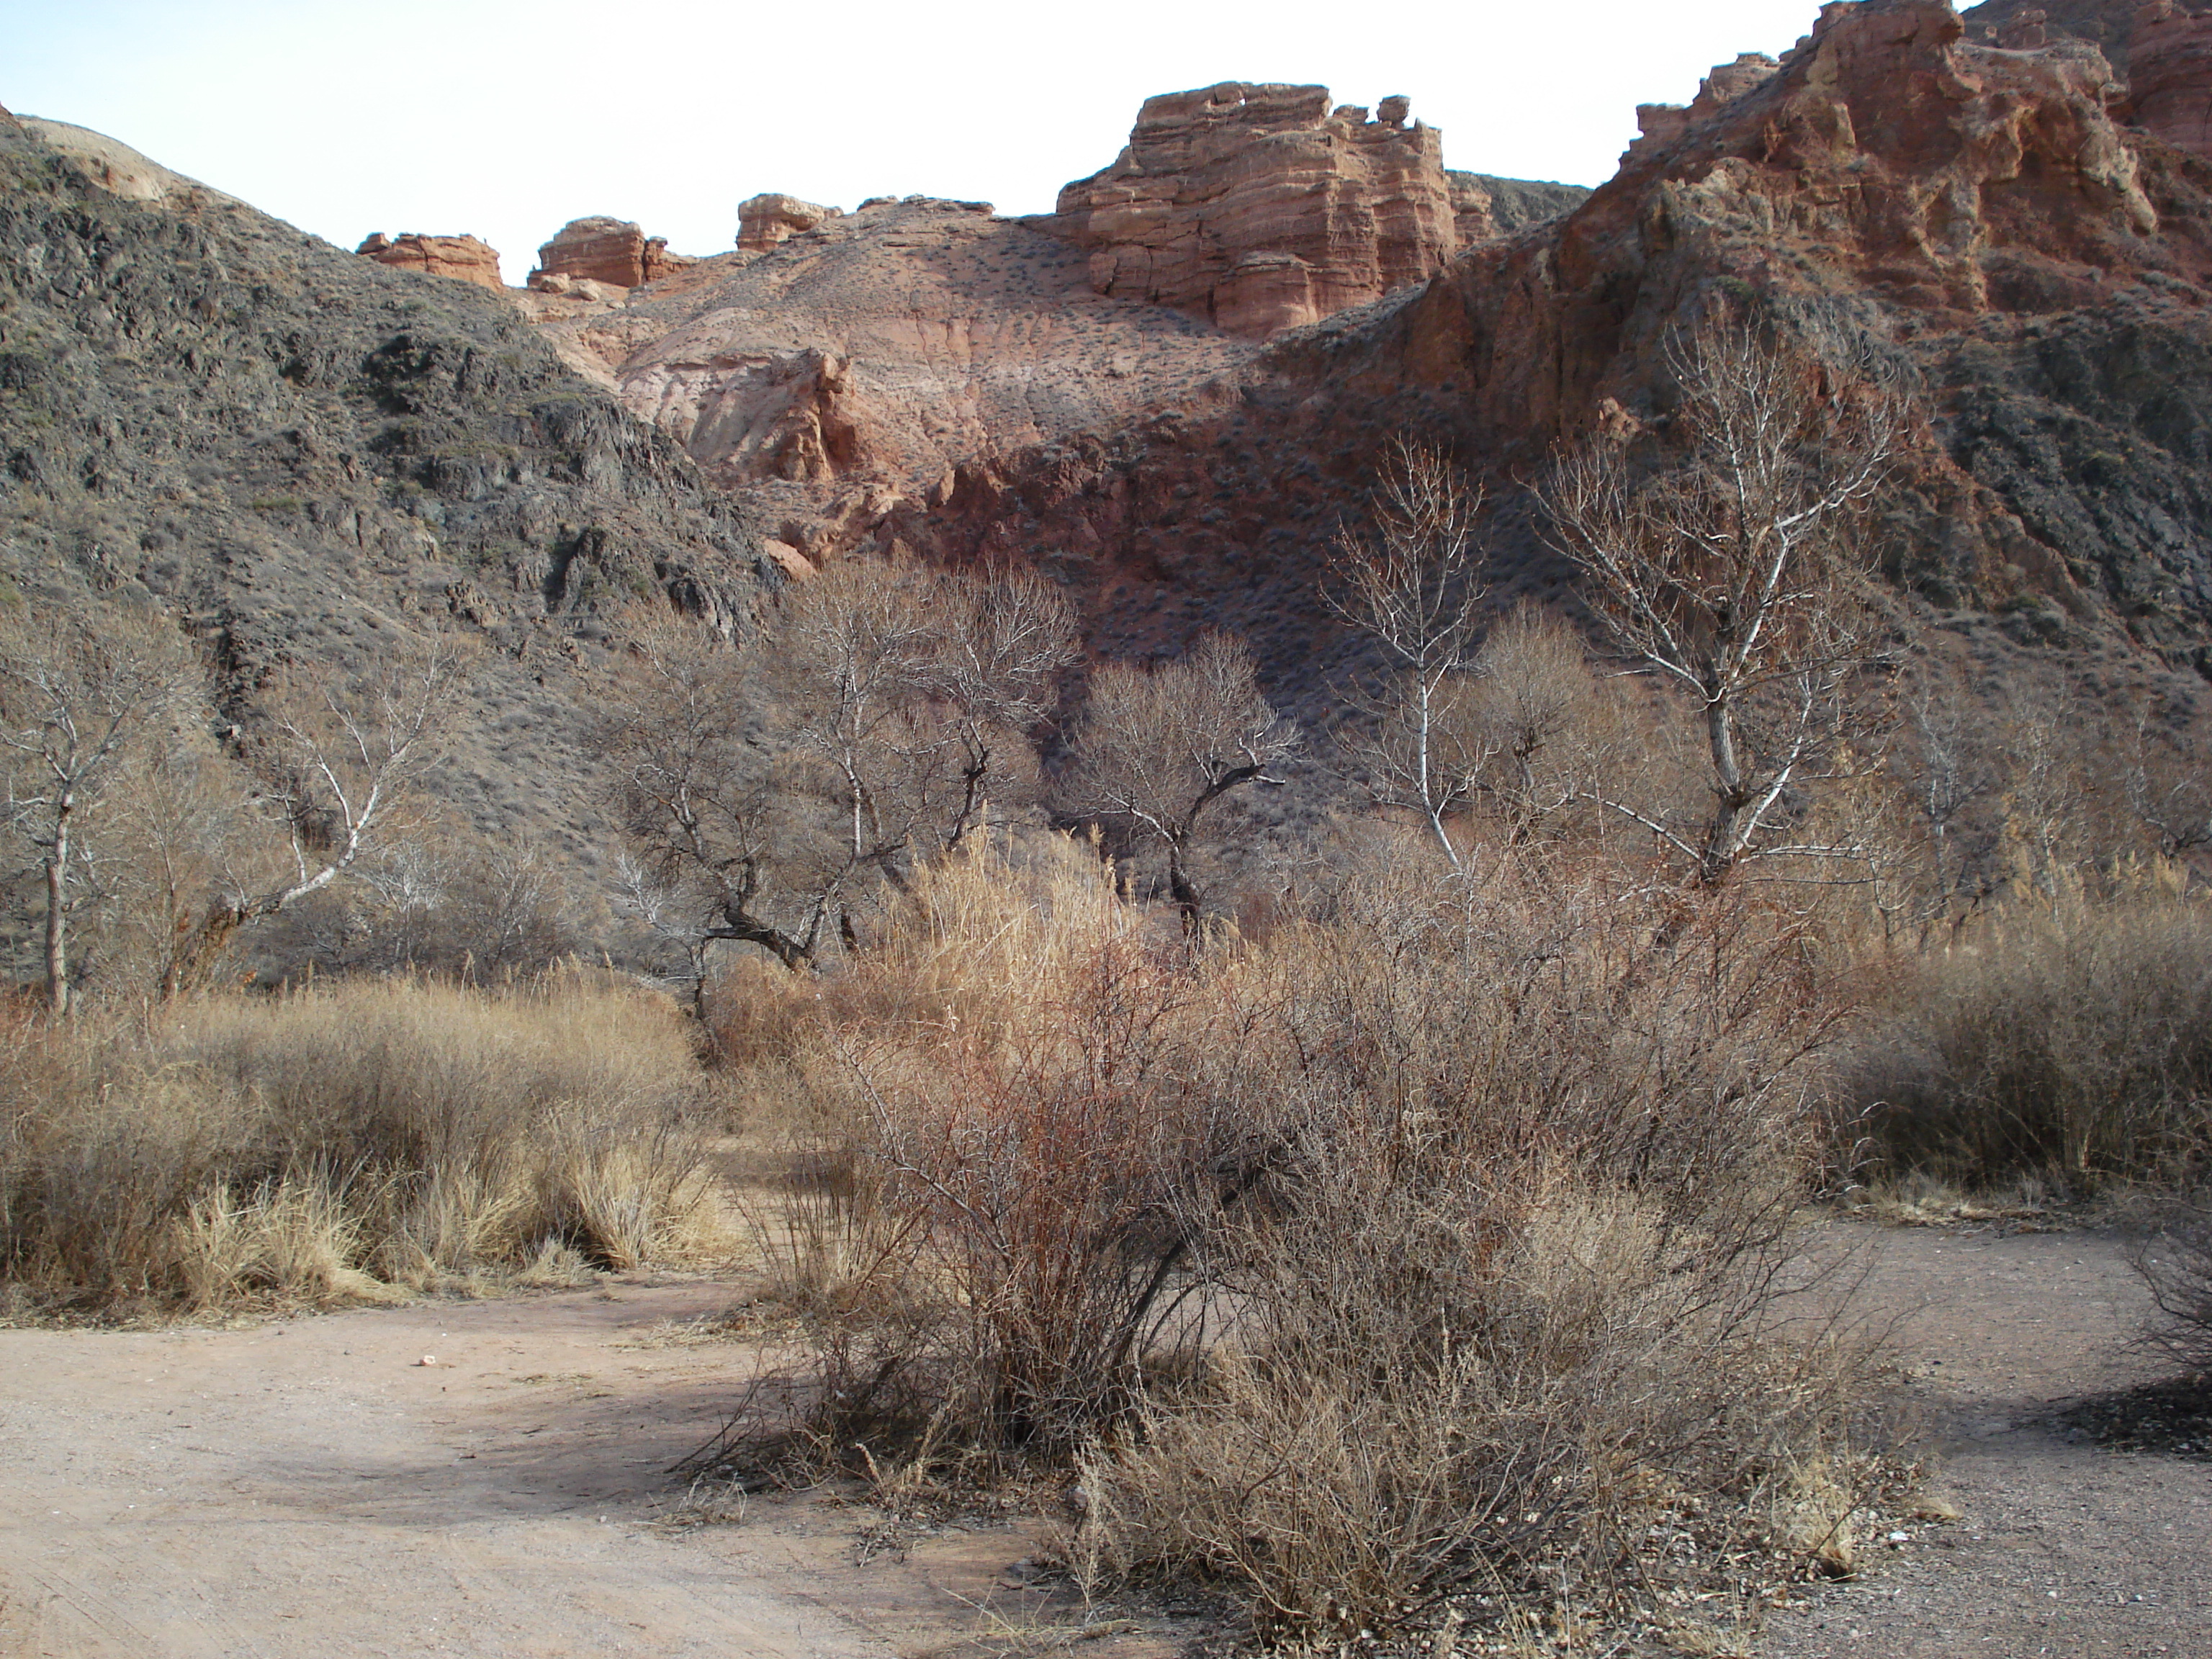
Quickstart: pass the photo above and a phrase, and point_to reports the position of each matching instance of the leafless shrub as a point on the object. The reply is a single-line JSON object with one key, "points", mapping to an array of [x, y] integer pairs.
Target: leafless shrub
{"points": [[1431, 1245], [2176, 1263]]}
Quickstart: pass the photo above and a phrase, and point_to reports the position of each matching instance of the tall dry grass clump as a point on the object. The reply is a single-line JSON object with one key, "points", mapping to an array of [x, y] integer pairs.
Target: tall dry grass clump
{"points": [[373, 1134], [1432, 1243], [2068, 1040]]}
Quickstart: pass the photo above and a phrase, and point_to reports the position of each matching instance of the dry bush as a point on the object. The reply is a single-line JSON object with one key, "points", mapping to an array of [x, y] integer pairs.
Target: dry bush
{"points": [[1433, 1244], [2069, 1041], [392, 1131], [989, 1195], [2176, 1263], [1509, 1293]]}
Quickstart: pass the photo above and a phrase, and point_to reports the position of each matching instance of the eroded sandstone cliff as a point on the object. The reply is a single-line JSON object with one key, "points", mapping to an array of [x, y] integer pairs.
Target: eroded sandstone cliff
{"points": [[1258, 208], [1983, 208], [464, 257]]}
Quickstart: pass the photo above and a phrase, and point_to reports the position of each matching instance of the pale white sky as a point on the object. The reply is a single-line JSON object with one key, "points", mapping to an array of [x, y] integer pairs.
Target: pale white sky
{"points": [[508, 118]]}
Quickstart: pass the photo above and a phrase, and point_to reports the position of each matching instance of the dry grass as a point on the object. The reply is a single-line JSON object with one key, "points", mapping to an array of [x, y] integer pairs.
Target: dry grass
{"points": [[2066, 1042], [330, 1143]]}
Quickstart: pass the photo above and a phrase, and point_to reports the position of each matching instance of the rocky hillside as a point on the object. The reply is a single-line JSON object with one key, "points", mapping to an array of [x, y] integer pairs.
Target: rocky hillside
{"points": [[304, 454], [844, 369], [299, 447], [1987, 210]]}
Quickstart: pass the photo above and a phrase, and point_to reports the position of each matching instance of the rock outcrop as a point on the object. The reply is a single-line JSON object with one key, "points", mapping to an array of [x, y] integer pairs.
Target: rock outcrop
{"points": [[894, 355], [598, 249], [463, 257], [769, 220], [1979, 211], [2161, 50], [1258, 207], [1661, 125], [2169, 75]]}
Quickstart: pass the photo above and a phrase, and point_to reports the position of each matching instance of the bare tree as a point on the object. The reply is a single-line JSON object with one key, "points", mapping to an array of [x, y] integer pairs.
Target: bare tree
{"points": [[1412, 582], [76, 697], [768, 790], [1738, 571], [1006, 639], [695, 793], [1158, 746], [339, 764]]}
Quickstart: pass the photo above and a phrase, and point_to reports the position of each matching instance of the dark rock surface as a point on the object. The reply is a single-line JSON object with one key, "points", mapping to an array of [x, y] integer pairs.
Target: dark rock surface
{"points": [[304, 455]]}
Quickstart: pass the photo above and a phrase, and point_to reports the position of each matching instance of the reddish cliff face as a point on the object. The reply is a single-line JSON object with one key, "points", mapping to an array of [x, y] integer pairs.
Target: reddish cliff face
{"points": [[871, 359], [2169, 75], [603, 250], [462, 257], [1259, 208], [2162, 49], [1979, 208]]}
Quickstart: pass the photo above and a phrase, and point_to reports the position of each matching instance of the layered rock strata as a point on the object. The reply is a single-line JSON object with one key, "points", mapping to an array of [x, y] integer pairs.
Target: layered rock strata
{"points": [[1258, 207], [463, 257], [1979, 211], [599, 249], [892, 354], [771, 220]]}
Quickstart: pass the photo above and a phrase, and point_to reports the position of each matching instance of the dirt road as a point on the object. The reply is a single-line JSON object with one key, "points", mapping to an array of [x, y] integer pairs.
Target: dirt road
{"points": [[305, 1487], [2064, 1548]]}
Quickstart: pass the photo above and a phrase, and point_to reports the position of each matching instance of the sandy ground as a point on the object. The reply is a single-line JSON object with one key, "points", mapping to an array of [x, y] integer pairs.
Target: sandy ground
{"points": [[305, 1487], [2064, 1547]]}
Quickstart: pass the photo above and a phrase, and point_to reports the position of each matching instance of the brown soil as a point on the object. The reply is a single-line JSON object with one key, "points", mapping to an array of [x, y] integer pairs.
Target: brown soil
{"points": [[306, 1486]]}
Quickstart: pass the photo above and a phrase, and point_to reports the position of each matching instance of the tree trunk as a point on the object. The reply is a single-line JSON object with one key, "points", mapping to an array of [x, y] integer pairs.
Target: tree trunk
{"points": [[58, 990]]}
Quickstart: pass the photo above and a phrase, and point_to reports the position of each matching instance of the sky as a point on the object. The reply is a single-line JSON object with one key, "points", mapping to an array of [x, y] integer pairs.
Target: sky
{"points": [[506, 119]]}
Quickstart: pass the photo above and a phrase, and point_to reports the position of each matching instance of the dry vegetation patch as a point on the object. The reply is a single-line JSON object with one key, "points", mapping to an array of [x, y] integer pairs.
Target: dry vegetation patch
{"points": [[1427, 1255], [339, 1142]]}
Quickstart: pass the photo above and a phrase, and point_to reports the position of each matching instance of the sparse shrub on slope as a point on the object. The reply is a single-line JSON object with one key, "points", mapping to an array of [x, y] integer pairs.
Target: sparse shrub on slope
{"points": [[331, 1141]]}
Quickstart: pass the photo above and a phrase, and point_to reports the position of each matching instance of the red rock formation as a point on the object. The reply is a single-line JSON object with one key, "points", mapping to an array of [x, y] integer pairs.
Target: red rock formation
{"points": [[1970, 205], [2169, 75], [766, 221], [1661, 125], [611, 250], [462, 257], [882, 358], [1259, 208]]}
